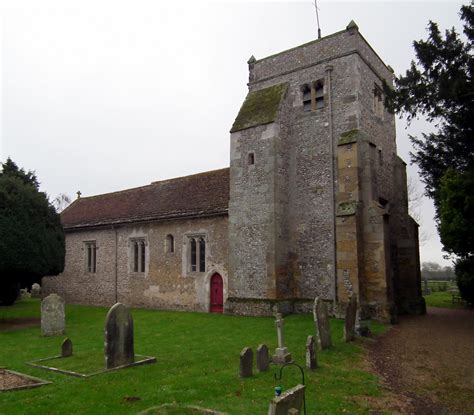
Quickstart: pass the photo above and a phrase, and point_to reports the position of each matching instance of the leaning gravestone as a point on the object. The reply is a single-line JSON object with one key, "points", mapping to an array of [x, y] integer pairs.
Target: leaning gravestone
{"points": [[311, 361], [350, 321], [35, 291], [246, 362], [321, 324], [53, 320], [263, 358], [118, 337], [66, 348], [292, 399]]}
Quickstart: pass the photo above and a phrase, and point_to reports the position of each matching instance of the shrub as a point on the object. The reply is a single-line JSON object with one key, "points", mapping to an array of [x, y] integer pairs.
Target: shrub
{"points": [[465, 278]]}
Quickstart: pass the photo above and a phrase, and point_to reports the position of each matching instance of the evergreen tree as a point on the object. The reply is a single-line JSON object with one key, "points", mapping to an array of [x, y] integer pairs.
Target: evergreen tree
{"points": [[440, 87], [31, 235]]}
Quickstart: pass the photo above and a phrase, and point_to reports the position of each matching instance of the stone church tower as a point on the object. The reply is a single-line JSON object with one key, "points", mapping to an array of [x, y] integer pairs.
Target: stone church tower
{"points": [[314, 204], [318, 196]]}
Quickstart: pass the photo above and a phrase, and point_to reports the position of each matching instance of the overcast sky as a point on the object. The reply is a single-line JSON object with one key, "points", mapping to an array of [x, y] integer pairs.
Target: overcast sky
{"points": [[100, 96]]}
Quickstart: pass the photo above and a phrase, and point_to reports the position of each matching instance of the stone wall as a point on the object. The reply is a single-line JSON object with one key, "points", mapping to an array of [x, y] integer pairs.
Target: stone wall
{"points": [[166, 282]]}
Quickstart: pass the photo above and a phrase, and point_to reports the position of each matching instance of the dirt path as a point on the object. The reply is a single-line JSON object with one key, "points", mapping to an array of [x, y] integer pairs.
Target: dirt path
{"points": [[428, 362]]}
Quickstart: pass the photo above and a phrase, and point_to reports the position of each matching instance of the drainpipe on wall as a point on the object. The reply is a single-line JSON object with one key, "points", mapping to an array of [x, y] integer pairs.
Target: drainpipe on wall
{"points": [[116, 265], [329, 69]]}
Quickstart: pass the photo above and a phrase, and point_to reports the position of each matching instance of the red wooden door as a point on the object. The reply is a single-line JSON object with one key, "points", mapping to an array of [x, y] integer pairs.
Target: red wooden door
{"points": [[217, 294]]}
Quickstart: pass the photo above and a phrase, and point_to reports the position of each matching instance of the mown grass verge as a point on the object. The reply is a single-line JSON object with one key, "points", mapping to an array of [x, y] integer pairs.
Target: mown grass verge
{"points": [[197, 364]]}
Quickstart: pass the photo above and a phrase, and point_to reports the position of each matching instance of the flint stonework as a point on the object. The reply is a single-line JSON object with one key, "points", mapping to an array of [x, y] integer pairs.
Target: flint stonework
{"points": [[311, 359], [350, 321], [53, 320], [119, 349], [66, 348], [263, 359], [321, 324], [246, 362]]}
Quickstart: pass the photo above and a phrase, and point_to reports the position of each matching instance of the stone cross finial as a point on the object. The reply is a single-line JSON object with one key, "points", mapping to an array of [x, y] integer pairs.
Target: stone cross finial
{"points": [[78, 194]]}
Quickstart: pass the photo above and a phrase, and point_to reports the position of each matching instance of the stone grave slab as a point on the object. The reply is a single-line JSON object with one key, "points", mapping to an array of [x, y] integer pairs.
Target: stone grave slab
{"points": [[350, 320], [290, 399], [53, 318], [246, 362], [321, 324], [119, 347], [263, 358]]}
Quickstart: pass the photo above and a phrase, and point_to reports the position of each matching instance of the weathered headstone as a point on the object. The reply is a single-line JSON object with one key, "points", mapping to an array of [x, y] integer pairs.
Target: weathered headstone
{"points": [[281, 352], [291, 399], [246, 362], [263, 358], [321, 324], [24, 294], [66, 348], [350, 321], [53, 320], [119, 348], [35, 291], [311, 360]]}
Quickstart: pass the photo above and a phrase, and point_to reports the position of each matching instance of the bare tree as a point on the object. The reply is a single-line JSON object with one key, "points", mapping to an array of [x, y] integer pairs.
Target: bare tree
{"points": [[61, 202], [415, 202]]}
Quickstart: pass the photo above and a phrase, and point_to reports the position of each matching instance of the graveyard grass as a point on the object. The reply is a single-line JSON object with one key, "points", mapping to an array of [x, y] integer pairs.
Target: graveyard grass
{"points": [[197, 364]]}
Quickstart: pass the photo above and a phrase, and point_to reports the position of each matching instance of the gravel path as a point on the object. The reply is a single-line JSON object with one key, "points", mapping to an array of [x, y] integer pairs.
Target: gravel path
{"points": [[428, 362]]}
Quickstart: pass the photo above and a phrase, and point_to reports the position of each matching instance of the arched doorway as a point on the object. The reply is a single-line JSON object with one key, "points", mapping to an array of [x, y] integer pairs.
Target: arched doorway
{"points": [[217, 294]]}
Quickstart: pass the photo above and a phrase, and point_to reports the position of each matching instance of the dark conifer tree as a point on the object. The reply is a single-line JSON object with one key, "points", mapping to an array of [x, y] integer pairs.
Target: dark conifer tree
{"points": [[31, 235]]}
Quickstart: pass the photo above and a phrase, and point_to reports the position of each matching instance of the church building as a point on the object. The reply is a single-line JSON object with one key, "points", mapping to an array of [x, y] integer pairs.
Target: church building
{"points": [[314, 203]]}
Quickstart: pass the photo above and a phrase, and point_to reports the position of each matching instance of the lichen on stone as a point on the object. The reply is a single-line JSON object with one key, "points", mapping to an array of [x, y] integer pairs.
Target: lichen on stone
{"points": [[260, 107], [347, 208], [351, 136]]}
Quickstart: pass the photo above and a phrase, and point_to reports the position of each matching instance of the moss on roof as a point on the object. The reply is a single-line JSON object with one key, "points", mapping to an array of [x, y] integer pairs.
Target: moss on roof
{"points": [[260, 107]]}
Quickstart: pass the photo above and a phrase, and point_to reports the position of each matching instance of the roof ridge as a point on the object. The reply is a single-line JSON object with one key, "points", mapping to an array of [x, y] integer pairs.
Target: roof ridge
{"points": [[188, 176], [152, 184]]}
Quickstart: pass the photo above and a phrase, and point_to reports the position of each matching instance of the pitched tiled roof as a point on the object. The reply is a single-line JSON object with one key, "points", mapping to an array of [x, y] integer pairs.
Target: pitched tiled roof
{"points": [[201, 194]]}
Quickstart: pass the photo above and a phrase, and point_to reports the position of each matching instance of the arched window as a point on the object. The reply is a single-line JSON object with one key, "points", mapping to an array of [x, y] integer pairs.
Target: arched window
{"points": [[197, 254], [138, 255], [202, 255], [169, 245], [193, 255], [306, 98], [319, 94], [313, 95]]}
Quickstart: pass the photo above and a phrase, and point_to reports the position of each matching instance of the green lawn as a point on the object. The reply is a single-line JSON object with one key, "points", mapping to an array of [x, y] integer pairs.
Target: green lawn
{"points": [[198, 360], [443, 299]]}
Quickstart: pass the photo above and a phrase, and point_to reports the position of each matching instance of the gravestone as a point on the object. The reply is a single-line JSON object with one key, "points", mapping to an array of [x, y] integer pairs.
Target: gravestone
{"points": [[311, 360], [263, 359], [35, 291], [246, 362], [24, 294], [53, 320], [321, 324], [281, 352], [66, 348], [291, 399], [119, 349], [350, 321]]}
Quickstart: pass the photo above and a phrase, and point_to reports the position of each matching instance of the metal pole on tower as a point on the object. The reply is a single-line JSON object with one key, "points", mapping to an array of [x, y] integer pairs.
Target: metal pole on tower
{"points": [[317, 17]]}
